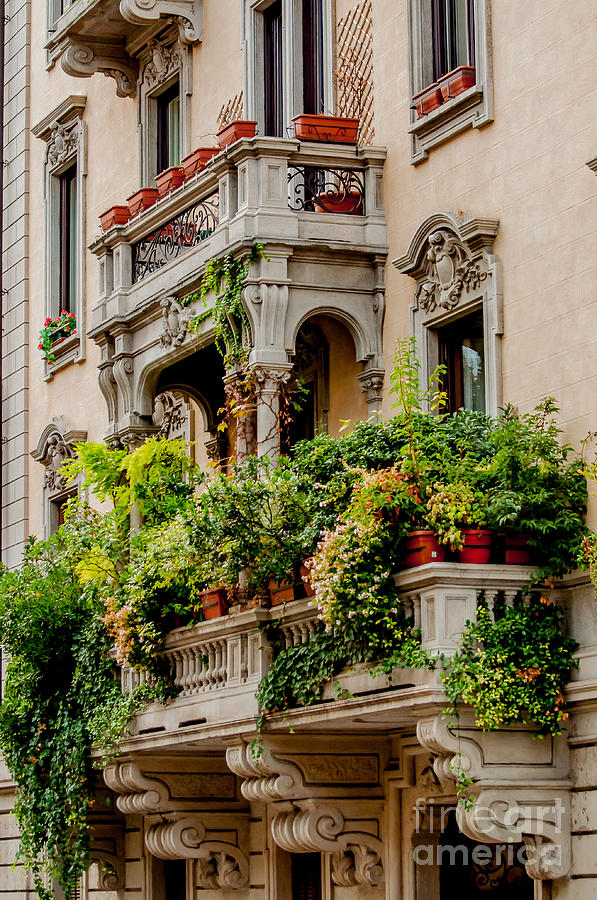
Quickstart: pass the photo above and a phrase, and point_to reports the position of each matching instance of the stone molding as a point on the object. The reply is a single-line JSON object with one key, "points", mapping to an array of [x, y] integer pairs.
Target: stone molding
{"points": [[452, 262], [221, 864], [529, 801], [53, 449], [188, 13]]}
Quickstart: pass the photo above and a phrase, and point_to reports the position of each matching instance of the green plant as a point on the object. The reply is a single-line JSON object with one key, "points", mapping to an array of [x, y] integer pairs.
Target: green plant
{"points": [[514, 666], [450, 507], [53, 329], [225, 277]]}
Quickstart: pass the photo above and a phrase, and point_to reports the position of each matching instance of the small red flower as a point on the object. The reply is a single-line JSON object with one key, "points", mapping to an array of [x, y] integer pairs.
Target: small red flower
{"points": [[48, 321], [40, 346], [63, 313]]}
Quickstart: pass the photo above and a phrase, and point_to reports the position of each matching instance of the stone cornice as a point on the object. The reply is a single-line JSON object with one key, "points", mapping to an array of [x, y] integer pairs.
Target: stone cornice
{"points": [[72, 107]]}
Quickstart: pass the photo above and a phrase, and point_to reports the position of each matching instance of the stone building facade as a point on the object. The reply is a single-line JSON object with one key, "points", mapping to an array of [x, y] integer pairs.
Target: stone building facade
{"points": [[466, 217]]}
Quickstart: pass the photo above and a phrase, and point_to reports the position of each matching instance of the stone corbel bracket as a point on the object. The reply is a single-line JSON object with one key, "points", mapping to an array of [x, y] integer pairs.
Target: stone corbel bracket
{"points": [[527, 802], [189, 14], [84, 58], [221, 863], [111, 876]]}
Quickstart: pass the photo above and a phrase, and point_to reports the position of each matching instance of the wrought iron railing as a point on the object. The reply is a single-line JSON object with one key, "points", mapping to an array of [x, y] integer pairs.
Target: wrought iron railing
{"points": [[313, 189], [189, 228]]}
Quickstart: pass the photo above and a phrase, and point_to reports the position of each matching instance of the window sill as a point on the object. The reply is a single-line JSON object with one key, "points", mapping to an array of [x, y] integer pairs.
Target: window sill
{"points": [[65, 353], [469, 109]]}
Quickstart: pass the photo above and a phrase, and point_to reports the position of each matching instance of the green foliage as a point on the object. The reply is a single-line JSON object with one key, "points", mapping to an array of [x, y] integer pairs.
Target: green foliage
{"points": [[53, 330], [225, 278], [514, 668]]}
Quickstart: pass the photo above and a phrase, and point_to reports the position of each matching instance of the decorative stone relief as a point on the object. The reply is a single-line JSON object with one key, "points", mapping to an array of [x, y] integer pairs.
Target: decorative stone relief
{"points": [[164, 62], [516, 810], [175, 322], [110, 870], [221, 864], [55, 448], [171, 415], [188, 14], [371, 381], [450, 269], [63, 143], [83, 60]]}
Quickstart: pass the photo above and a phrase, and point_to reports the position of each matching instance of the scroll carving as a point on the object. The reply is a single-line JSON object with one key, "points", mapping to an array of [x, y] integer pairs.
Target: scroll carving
{"points": [[83, 60], [175, 323], [187, 12], [110, 870], [450, 270], [137, 793]]}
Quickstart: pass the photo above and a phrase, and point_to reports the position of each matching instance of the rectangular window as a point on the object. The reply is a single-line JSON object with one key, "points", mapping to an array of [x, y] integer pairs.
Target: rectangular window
{"points": [[306, 876], [68, 239], [462, 351], [453, 35], [273, 73], [168, 110], [313, 57]]}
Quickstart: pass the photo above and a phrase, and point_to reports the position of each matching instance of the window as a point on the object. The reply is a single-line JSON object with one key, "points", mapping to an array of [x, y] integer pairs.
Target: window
{"points": [[168, 128], [453, 35], [274, 70], [68, 239], [309, 387], [462, 352], [450, 70], [313, 57], [306, 876]]}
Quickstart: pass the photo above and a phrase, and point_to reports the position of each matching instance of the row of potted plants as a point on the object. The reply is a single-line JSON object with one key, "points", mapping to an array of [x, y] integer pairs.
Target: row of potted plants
{"points": [[479, 547], [445, 88], [317, 128]]}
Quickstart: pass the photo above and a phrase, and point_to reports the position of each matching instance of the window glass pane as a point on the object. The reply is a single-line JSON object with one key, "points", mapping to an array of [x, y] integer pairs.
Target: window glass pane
{"points": [[272, 24], [72, 242], [174, 132], [68, 240], [313, 58], [460, 28], [462, 352], [473, 373]]}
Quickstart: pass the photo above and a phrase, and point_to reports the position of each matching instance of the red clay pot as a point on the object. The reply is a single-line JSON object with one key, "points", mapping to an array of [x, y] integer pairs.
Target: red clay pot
{"points": [[517, 551], [422, 547], [332, 129], [196, 160], [214, 603], [116, 215], [142, 199], [457, 81], [280, 591], [169, 180], [244, 128], [306, 578], [477, 546], [350, 204], [428, 99]]}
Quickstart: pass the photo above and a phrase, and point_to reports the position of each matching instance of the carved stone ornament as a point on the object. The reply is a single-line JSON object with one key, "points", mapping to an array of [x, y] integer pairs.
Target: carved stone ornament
{"points": [[450, 270], [63, 143], [110, 870], [515, 811], [371, 381], [175, 322], [188, 14], [170, 415], [54, 449], [163, 63], [83, 60], [221, 864]]}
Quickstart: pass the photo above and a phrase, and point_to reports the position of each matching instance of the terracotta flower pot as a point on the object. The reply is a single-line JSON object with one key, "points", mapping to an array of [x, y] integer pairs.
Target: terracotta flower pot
{"points": [[280, 591], [243, 128], [477, 546], [169, 180], [349, 203], [457, 81], [332, 129], [196, 160], [516, 550], [428, 99], [214, 603], [422, 547], [306, 578], [116, 215], [142, 199]]}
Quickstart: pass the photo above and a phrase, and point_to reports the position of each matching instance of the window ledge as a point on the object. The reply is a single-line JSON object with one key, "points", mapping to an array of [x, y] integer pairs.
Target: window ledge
{"points": [[65, 353], [471, 108]]}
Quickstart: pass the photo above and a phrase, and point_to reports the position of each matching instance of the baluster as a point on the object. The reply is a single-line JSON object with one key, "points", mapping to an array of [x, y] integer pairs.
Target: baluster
{"points": [[417, 610], [194, 670], [490, 599], [409, 607], [510, 597], [217, 663], [202, 674], [223, 675], [211, 656]]}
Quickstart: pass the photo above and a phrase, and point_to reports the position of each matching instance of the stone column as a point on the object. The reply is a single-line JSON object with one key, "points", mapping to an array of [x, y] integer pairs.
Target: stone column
{"points": [[242, 412], [269, 382], [371, 381]]}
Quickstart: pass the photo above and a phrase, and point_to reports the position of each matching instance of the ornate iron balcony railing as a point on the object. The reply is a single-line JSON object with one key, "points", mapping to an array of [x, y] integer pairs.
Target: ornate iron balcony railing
{"points": [[179, 234], [314, 189]]}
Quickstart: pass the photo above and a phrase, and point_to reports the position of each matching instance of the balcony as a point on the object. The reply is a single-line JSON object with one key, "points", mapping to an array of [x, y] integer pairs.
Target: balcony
{"points": [[318, 211], [217, 665]]}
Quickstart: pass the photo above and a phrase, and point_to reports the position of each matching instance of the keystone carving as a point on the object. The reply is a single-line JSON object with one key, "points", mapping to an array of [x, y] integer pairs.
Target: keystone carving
{"points": [[63, 143], [221, 864], [175, 323], [164, 61], [188, 13], [515, 811], [83, 60], [450, 270]]}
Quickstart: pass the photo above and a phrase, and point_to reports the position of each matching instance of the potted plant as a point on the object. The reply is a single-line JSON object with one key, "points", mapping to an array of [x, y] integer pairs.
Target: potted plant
{"points": [[54, 331], [214, 603], [116, 215], [428, 99], [421, 547], [280, 591], [457, 81], [457, 512], [169, 180], [142, 199], [305, 573], [197, 160], [234, 131], [329, 129]]}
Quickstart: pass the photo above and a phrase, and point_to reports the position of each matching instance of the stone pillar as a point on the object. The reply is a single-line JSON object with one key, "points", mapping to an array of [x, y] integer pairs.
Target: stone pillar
{"points": [[269, 382], [242, 411], [371, 381]]}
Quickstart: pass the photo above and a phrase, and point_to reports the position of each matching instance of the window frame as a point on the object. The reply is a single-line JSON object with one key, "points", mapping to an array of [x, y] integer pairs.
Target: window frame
{"points": [[164, 150], [473, 107], [292, 60], [68, 247]]}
